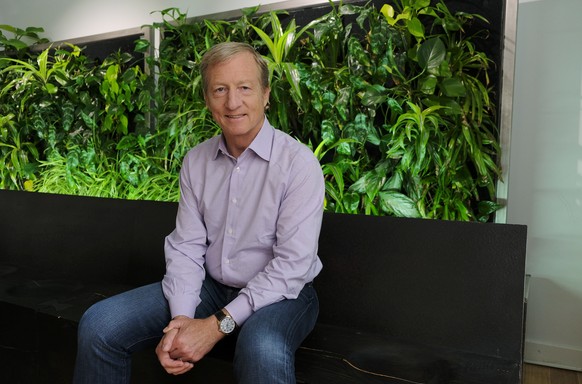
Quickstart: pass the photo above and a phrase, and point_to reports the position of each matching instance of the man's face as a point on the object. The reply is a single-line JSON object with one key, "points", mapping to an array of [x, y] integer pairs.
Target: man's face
{"points": [[237, 100]]}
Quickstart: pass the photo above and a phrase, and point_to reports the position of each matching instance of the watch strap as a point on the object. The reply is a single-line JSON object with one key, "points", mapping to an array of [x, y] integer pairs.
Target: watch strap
{"points": [[220, 315]]}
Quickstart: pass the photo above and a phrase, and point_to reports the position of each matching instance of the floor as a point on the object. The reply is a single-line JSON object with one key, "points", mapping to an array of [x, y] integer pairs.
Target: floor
{"points": [[537, 374]]}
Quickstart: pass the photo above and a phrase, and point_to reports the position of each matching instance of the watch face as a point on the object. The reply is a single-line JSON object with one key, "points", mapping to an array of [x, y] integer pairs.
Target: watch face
{"points": [[227, 325]]}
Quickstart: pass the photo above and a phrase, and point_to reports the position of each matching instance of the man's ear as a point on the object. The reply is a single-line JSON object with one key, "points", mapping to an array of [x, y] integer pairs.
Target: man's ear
{"points": [[266, 95]]}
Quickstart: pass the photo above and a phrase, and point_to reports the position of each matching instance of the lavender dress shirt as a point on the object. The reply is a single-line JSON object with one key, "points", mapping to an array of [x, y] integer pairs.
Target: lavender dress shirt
{"points": [[251, 223]]}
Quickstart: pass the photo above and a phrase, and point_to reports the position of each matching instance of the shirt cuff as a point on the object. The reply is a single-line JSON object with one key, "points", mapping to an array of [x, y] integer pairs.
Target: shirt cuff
{"points": [[181, 305], [240, 309]]}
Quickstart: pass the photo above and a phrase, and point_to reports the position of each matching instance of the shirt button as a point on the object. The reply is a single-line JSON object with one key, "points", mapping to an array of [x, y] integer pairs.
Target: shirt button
{"points": [[237, 169], [229, 231], [234, 200]]}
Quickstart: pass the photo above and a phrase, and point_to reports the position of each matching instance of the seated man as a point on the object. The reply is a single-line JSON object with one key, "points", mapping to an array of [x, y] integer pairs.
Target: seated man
{"points": [[242, 256]]}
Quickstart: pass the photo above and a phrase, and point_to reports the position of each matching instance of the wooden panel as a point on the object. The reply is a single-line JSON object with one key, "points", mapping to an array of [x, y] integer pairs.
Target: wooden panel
{"points": [[562, 376], [538, 374]]}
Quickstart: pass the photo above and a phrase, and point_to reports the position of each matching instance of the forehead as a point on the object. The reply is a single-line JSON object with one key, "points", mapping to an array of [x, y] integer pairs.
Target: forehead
{"points": [[241, 67]]}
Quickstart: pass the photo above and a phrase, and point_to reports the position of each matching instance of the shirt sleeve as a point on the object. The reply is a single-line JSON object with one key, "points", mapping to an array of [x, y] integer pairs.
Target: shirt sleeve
{"points": [[295, 261], [184, 251]]}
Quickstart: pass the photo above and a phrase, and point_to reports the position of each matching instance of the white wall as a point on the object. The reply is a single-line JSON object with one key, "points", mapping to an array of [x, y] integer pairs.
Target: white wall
{"points": [[545, 185], [545, 182], [69, 19]]}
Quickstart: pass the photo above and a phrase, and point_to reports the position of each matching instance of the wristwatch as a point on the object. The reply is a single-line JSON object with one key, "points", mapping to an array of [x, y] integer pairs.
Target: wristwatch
{"points": [[226, 323]]}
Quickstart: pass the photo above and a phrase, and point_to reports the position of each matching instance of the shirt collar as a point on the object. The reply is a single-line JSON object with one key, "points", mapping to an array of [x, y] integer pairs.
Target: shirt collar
{"points": [[261, 145]]}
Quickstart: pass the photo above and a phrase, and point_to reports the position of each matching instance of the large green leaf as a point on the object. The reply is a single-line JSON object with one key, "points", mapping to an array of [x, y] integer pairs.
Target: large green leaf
{"points": [[453, 87], [415, 27], [431, 54], [398, 204]]}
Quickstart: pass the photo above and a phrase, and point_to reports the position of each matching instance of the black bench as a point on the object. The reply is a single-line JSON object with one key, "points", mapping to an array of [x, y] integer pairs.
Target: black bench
{"points": [[402, 300]]}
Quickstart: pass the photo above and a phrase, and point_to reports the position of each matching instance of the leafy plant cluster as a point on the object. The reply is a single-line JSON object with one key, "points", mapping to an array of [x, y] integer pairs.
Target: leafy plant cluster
{"points": [[394, 100]]}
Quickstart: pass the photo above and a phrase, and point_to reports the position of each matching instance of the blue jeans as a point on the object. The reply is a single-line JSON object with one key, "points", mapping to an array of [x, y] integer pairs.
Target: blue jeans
{"points": [[112, 329]]}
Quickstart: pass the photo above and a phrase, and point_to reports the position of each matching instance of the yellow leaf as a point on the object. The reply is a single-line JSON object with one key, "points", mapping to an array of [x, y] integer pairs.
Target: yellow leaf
{"points": [[388, 12]]}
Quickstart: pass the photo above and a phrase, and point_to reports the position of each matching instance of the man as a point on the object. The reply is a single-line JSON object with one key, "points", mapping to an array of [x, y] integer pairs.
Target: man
{"points": [[244, 252]]}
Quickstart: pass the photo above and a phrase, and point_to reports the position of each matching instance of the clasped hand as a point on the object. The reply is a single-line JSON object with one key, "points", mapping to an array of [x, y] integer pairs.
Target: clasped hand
{"points": [[185, 342]]}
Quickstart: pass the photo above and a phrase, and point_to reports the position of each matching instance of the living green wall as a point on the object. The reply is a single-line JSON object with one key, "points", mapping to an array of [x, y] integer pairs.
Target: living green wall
{"points": [[395, 100]]}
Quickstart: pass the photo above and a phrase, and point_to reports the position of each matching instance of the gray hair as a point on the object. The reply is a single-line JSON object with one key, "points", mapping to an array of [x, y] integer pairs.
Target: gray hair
{"points": [[223, 52]]}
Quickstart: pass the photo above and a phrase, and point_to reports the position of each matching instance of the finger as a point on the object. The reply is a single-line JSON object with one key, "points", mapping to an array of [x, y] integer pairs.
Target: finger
{"points": [[177, 367], [168, 340], [187, 366], [177, 355], [169, 327], [176, 323], [173, 366]]}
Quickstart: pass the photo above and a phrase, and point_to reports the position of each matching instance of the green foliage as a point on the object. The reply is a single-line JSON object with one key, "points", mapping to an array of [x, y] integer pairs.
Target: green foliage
{"points": [[396, 103], [16, 41], [17, 157]]}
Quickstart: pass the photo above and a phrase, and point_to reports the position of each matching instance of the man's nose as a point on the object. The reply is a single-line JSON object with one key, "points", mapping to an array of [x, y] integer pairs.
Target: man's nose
{"points": [[233, 100]]}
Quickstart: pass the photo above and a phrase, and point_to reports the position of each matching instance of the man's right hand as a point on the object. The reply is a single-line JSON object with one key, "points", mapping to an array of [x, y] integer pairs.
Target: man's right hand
{"points": [[186, 341], [172, 366]]}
